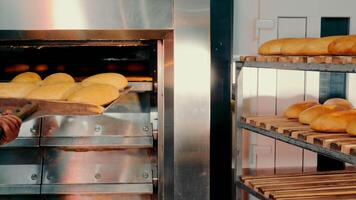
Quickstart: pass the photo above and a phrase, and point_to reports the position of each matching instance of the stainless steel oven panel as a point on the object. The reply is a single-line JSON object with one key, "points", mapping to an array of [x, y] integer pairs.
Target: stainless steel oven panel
{"points": [[63, 166], [30, 128], [28, 135], [125, 124], [12, 190], [85, 14], [131, 102], [20, 166], [98, 142], [100, 197], [106, 189]]}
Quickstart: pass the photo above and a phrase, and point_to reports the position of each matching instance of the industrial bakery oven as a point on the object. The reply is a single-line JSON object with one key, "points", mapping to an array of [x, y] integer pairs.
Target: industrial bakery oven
{"points": [[154, 141], [113, 155]]}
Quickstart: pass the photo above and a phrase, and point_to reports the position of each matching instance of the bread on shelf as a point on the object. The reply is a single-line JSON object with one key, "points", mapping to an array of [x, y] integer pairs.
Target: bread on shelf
{"points": [[339, 102], [273, 47], [295, 47], [308, 115], [319, 46], [294, 110], [343, 46], [334, 122]]}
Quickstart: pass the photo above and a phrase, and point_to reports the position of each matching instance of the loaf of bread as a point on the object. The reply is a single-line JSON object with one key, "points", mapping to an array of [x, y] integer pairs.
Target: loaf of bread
{"points": [[351, 128], [343, 46], [318, 46], [58, 78], [97, 94], [295, 47], [16, 90], [334, 122], [308, 115], [339, 102], [117, 80], [273, 47], [27, 77], [58, 91], [294, 110]]}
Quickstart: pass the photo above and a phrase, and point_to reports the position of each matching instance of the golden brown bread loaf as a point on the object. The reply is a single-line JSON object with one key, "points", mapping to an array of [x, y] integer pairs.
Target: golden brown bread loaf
{"points": [[27, 77], [57, 78], [97, 94], [117, 80], [339, 102], [319, 46], [351, 128], [333, 122], [343, 46], [308, 115], [58, 91], [294, 110], [273, 47], [295, 47], [16, 90]]}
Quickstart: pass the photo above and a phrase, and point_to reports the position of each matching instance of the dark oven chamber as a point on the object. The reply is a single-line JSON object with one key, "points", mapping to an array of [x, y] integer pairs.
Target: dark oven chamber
{"points": [[108, 156]]}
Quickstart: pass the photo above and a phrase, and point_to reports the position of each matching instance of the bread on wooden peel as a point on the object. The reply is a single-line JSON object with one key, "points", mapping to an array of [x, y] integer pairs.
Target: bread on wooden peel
{"points": [[97, 94], [319, 46], [294, 110], [27, 77], [57, 78], [16, 90], [308, 115], [273, 47], [339, 102], [117, 80], [343, 46], [333, 122], [58, 91], [295, 47]]}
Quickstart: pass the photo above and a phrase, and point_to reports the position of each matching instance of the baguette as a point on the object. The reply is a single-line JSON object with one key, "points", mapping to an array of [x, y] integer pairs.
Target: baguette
{"points": [[294, 110], [117, 80], [351, 128], [343, 46], [273, 47], [58, 91], [27, 77], [16, 89], [333, 122], [308, 115], [319, 46], [294, 47], [339, 102], [97, 94], [58, 78]]}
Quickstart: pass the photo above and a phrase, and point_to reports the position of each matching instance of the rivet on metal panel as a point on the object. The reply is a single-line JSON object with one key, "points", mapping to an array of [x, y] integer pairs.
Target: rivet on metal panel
{"points": [[34, 177], [98, 128], [50, 177], [145, 175], [146, 129], [97, 176], [33, 130]]}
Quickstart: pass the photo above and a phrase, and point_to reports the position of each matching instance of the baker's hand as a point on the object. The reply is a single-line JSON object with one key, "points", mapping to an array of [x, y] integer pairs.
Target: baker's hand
{"points": [[10, 125]]}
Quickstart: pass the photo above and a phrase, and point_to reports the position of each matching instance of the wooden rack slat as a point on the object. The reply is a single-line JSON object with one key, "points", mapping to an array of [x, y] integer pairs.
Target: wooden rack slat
{"points": [[327, 185], [278, 126]]}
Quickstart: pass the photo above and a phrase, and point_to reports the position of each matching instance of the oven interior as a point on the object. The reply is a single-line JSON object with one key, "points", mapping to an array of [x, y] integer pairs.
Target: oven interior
{"points": [[109, 156]]}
